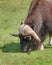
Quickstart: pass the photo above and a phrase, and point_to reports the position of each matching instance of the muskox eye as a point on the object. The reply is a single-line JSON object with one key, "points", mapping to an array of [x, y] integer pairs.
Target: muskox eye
{"points": [[27, 37]]}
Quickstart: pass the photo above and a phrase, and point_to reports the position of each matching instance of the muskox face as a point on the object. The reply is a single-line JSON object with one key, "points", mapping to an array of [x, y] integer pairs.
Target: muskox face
{"points": [[28, 38], [26, 43]]}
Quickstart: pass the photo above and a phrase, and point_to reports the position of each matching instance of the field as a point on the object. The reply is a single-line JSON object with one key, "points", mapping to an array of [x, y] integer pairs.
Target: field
{"points": [[12, 12]]}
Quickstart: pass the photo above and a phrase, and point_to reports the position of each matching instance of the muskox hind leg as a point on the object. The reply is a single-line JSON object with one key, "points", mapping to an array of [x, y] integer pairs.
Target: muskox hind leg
{"points": [[50, 40]]}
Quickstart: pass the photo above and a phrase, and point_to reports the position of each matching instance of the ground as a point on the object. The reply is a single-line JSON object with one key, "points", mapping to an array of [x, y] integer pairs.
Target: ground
{"points": [[12, 12]]}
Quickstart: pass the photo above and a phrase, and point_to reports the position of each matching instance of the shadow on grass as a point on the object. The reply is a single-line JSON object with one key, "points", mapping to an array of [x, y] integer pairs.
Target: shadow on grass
{"points": [[11, 48], [15, 47]]}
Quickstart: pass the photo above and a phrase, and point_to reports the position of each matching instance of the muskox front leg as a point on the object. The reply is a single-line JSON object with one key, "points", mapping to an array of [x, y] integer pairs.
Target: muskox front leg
{"points": [[41, 46], [50, 40]]}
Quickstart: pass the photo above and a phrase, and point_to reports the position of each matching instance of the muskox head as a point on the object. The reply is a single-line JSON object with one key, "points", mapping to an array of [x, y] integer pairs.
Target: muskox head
{"points": [[28, 38]]}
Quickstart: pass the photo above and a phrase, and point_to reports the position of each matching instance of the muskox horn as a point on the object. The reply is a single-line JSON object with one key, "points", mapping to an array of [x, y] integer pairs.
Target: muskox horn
{"points": [[15, 35], [27, 30]]}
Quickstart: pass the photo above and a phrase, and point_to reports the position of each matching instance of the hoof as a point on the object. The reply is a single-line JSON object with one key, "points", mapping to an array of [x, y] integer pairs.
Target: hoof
{"points": [[41, 47], [50, 42]]}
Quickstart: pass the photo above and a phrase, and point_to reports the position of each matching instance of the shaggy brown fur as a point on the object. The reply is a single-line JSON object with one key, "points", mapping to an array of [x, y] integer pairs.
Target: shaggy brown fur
{"points": [[40, 17]]}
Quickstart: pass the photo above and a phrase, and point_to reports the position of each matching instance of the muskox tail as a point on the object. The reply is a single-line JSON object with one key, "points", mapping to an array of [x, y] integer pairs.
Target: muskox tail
{"points": [[15, 35]]}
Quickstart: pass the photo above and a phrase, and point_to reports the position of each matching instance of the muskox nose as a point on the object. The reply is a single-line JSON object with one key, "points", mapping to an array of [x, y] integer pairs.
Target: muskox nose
{"points": [[25, 49]]}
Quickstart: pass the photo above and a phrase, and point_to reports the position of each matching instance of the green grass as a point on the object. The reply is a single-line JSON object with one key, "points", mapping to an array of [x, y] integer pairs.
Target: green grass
{"points": [[12, 12]]}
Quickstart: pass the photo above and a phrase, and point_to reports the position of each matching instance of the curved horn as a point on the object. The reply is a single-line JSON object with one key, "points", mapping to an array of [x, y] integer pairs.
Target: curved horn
{"points": [[27, 30], [15, 35]]}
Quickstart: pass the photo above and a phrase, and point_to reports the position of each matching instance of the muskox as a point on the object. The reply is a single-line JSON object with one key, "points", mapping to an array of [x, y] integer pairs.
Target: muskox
{"points": [[36, 26]]}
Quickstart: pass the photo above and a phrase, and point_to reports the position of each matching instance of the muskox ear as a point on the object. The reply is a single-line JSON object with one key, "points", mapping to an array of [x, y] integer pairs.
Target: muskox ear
{"points": [[15, 35]]}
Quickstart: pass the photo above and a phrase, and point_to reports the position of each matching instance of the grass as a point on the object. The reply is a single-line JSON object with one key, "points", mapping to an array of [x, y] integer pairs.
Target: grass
{"points": [[12, 12]]}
